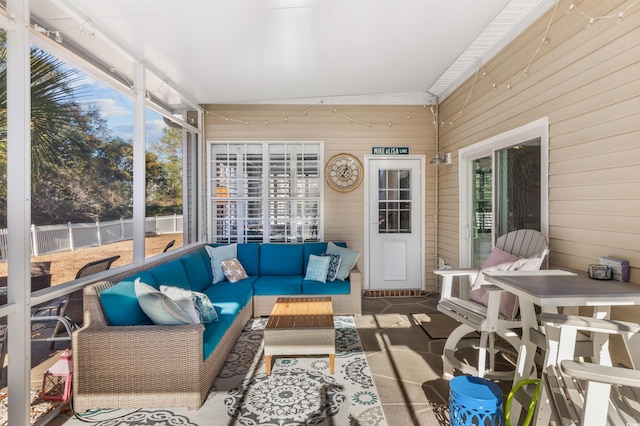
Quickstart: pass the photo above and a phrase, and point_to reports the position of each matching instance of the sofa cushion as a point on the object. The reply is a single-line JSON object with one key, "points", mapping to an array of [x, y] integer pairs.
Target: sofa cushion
{"points": [[249, 256], [281, 259], [217, 255], [348, 259], [335, 287], [198, 268], [271, 286], [214, 331], [158, 306], [240, 292], [120, 304], [171, 273], [317, 268]]}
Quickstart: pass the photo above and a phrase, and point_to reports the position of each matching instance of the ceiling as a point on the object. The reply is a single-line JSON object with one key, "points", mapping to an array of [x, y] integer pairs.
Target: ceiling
{"points": [[285, 51]]}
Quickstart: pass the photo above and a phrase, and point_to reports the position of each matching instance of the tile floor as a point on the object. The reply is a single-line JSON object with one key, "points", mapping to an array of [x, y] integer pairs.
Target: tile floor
{"points": [[405, 362]]}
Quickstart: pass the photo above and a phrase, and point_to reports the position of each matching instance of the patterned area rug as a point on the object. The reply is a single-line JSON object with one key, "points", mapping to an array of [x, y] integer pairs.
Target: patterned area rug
{"points": [[299, 391]]}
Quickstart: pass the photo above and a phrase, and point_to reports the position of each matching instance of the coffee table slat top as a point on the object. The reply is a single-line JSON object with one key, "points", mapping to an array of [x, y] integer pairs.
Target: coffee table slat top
{"points": [[301, 312]]}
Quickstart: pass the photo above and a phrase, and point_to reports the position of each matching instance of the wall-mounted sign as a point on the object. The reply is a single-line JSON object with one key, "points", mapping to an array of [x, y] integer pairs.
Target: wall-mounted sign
{"points": [[390, 150]]}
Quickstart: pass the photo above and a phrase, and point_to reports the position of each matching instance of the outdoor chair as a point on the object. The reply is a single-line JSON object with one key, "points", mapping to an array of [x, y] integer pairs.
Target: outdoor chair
{"points": [[488, 310], [169, 245], [583, 392], [56, 309]]}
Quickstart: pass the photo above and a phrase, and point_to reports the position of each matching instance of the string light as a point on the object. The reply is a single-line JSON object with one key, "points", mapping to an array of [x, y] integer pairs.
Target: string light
{"points": [[334, 110], [544, 41], [56, 34]]}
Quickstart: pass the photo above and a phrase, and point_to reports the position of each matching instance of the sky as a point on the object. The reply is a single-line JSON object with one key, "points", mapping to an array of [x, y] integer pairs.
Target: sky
{"points": [[117, 109]]}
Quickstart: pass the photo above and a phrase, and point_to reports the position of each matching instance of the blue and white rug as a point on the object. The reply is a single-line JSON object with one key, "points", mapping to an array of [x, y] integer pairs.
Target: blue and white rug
{"points": [[299, 391]]}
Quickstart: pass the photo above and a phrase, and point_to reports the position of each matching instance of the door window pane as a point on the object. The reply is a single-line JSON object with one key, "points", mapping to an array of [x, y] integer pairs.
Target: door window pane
{"points": [[482, 209], [518, 187], [394, 201]]}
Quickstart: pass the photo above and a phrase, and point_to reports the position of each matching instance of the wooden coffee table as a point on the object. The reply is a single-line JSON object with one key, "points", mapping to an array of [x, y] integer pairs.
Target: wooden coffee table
{"points": [[300, 326]]}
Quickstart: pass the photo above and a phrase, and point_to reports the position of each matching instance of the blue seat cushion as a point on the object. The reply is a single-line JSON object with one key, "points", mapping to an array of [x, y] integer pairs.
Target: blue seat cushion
{"points": [[211, 336], [270, 286], [225, 291], [198, 271], [281, 259], [213, 331], [317, 248], [334, 287], [171, 273], [249, 257], [120, 304]]}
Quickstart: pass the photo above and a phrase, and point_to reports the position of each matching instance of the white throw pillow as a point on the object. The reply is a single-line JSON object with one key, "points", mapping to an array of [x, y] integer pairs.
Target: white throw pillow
{"points": [[348, 259], [217, 255], [159, 307], [184, 298]]}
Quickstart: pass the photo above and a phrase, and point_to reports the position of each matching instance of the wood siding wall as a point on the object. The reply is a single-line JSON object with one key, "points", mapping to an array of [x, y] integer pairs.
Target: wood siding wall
{"points": [[343, 212], [587, 81]]}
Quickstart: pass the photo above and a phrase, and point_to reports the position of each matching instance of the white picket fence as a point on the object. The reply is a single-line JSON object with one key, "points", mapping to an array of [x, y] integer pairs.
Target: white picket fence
{"points": [[56, 238]]}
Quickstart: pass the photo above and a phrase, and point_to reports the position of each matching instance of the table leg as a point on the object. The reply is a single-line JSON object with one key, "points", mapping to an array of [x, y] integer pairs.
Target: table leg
{"points": [[332, 363], [267, 363], [526, 354]]}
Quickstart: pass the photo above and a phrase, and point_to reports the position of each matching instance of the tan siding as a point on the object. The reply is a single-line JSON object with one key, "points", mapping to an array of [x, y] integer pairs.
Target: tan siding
{"points": [[343, 213], [587, 82]]}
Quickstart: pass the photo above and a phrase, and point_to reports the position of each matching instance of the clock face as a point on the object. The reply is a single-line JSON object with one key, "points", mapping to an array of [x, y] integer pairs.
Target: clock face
{"points": [[343, 172]]}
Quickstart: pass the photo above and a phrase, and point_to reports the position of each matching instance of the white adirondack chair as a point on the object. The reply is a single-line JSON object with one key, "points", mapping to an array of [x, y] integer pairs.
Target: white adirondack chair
{"points": [[585, 393], [485, 319]]}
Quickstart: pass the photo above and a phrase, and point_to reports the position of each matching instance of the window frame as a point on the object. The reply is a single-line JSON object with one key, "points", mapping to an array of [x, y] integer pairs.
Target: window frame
{"points": [[538, 129]]}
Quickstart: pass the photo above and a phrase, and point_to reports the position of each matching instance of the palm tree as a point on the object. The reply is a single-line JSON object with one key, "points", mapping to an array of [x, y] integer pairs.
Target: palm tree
{"points": [[54, 109]]}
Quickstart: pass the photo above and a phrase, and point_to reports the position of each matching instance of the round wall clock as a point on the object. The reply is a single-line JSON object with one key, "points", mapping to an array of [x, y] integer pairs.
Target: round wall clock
{"points": [[343, 172]]}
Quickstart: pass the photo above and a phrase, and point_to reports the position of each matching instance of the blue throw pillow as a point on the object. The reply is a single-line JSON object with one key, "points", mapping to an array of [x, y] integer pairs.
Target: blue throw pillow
{"points": [[349, 258], [217, 255], [334, 266], [317, 268]]}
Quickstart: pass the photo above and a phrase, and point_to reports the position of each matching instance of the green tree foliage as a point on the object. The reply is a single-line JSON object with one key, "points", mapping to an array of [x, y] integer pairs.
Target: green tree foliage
{"points": [[80, 172], [164, 190]]}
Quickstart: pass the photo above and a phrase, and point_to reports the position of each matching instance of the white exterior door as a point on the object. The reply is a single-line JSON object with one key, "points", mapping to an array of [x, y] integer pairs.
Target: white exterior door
{"points": [[394, 232]]}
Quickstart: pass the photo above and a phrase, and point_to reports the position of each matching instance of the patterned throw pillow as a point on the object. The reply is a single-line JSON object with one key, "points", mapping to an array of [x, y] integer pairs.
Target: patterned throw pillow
{"points": [[233, 270], [334, 266], [317, 268], [205, 307]]}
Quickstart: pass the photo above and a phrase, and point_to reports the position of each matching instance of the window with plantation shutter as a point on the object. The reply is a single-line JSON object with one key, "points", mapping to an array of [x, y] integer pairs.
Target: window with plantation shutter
{"points": [[265, 192]]}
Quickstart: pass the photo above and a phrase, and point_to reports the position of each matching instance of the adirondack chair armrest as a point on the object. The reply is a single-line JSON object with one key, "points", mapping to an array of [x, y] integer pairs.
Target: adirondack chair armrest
{"points": [[601, 373]]}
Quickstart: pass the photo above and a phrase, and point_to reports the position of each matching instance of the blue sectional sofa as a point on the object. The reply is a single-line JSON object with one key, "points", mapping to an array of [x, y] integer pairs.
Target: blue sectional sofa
{"points": [[123, 360]]}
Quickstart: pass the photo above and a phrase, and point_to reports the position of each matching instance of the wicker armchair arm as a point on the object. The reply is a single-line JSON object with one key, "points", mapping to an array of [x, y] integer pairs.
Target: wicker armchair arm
{"points": [[120, 343], [355, 278]]}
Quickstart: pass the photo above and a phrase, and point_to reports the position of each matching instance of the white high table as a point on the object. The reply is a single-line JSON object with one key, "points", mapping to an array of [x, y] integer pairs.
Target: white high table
{"points": [[552, 289]]}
